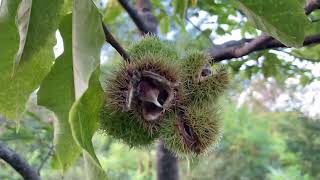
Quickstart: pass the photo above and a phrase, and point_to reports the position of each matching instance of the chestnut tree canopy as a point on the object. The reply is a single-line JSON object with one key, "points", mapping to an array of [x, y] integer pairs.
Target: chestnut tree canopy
{"points": [[272, 37]]}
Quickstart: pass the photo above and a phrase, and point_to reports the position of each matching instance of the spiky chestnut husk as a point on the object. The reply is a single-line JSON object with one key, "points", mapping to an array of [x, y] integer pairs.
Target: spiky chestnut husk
{"points": [[154, 46], [151, 73], [146, 87], [124, 127], [203, 82], [192, 131]]}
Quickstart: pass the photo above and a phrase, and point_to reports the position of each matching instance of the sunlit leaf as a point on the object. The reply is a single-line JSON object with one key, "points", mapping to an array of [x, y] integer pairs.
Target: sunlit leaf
{"points": [[23, 18], [180, 7], [84, 120], [88, 39], [287, 24], [112, 11], [57, 94], [37, 55]]}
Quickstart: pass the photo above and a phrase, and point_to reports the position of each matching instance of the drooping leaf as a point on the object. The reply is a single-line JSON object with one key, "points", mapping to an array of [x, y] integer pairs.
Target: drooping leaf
{"points": [[84, 120], [284, 20], [9, 37], [37, 55], [88, 39], [57, 94], [87, 43]]}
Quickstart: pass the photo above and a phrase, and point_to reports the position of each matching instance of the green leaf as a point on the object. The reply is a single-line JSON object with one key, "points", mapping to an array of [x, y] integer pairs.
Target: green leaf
{"points": [[236, 65], [270, 65], [87, 43], [9, 38], [310, 53], [180, 23], [88, 39], [84, 120], [284, 20], [112, 11], [164, 25], [57, 94], [23, 19], [304, 80], [37, 22], [67, 90], [37, 55], [67, 7], [180, 7], [220, 31], [207, 32]]}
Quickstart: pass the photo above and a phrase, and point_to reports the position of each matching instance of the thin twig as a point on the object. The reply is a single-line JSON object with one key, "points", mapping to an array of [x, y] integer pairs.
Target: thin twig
{"points": [[17, 163], [114, 43], [199, 29], [44, 161]]}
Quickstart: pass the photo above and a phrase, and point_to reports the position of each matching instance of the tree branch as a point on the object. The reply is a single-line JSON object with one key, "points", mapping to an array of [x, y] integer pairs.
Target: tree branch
{"points": [[16, 162], [137, 19], [167, 164], [257, 44], [228, 50], [143, 19], [114, 43], [144, 9], [311, 5], [263, 42]]}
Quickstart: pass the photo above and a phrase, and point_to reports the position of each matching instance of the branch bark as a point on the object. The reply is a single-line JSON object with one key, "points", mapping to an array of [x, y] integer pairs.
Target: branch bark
{"points": [[167, 164], [17, 163], [141, 16], [311, 5], [114, 43], [257, 44]]}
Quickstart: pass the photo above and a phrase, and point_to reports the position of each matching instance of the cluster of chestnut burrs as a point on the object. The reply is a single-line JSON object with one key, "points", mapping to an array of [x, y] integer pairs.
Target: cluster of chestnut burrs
{"points": [[161, 95]]}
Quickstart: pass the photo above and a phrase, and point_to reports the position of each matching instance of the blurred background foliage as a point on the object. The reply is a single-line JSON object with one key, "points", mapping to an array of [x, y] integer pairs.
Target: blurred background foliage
{"points": [[269, 131], [255, 145]]}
